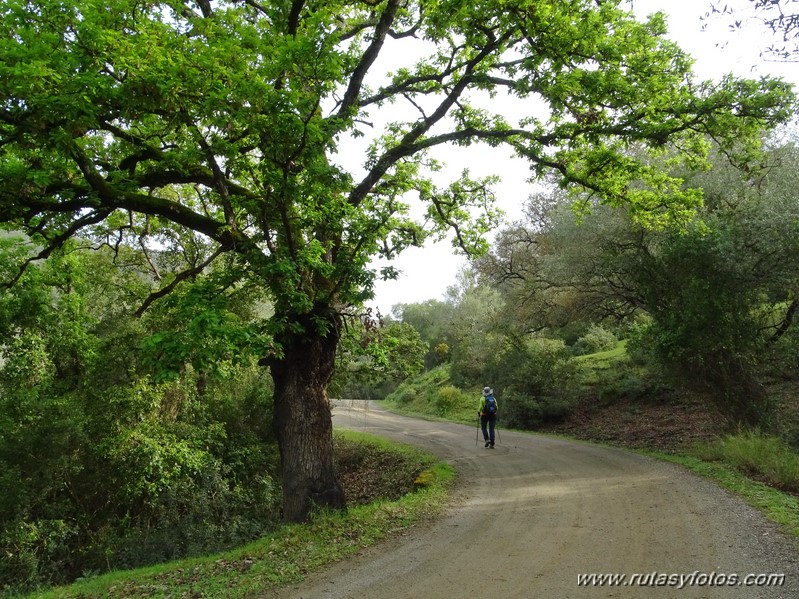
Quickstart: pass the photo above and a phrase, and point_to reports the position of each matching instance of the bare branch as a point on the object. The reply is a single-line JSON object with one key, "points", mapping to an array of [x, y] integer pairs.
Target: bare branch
{"points": [[191, 272], [369, 57]]}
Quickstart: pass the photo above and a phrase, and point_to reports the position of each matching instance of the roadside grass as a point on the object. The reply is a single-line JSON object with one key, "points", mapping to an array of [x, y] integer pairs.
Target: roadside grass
{"points": [[762, 469], [292, 551], [776, 505], [762, 457]]}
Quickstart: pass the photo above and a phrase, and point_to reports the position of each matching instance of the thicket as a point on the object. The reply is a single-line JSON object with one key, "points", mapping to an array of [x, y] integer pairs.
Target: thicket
{"points": [[125, 441], [721, 293]]}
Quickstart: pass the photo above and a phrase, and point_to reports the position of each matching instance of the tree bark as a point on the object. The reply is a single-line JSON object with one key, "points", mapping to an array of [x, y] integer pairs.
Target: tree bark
{"points": [[302, 417]]}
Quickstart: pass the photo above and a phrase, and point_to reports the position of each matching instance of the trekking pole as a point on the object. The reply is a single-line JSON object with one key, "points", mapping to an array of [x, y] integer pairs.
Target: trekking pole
{"points": [[477, 431]]}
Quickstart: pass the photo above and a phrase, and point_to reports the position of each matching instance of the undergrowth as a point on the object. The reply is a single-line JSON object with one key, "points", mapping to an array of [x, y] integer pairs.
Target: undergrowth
{"points": [[287, 554]]}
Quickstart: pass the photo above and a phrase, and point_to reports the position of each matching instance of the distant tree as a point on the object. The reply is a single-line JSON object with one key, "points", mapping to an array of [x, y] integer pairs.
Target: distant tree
{"points": [[376, 358], [475, 334], [721, 290], [125, 120], [779, 16], [551, 270], [432, 319]]}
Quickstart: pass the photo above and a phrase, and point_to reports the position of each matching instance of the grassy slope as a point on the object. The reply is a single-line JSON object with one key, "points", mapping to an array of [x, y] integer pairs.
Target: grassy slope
{"points": [[432, 395]]}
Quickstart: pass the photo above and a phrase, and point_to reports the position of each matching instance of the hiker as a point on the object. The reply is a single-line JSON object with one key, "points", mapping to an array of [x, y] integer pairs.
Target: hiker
{"points": [[488, 415]]}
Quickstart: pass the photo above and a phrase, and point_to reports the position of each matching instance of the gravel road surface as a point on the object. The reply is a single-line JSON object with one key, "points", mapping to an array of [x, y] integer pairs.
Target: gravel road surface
{"points": [[535, 513]]}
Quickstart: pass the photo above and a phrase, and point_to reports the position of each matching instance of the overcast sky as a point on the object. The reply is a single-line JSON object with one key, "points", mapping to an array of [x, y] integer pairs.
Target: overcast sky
{"points": [[428, 272]]}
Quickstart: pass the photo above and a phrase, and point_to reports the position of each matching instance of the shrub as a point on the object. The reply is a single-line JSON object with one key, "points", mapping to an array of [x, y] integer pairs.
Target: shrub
{"points": [[640, 343], [192, 516], [596, 339], [448, 399], [33, 551], [403, 395], [527, 413], [133, 475]]}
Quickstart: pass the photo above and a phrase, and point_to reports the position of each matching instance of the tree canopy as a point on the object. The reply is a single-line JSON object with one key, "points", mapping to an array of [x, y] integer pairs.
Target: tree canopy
{"points": [[138, 121]]}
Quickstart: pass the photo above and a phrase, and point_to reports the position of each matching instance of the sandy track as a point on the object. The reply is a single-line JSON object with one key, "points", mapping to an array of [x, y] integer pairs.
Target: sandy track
{"points": [[534, 513]]}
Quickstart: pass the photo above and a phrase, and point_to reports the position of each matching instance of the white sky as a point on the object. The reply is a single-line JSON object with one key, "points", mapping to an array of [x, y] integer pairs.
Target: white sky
{"points": [[428, 272]]}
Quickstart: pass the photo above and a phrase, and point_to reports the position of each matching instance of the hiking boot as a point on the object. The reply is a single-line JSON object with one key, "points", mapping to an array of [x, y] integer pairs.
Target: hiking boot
{"points": [[488, 443], [492, 445]]}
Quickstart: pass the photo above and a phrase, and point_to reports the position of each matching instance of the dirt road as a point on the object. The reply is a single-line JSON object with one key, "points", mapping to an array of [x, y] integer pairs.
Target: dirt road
{"points": [[535, 513]]}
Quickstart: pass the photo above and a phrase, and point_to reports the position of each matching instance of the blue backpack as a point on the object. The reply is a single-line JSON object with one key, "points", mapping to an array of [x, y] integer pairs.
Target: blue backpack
{"points": [[490, 406]]}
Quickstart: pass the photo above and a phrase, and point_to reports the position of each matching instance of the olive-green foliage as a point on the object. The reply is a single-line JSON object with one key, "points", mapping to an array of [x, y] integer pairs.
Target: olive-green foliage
{"points": [[533, 377], [785, 354], [372, 360], [536, 382], [432, 319], [595, 339], [474, 332], [116, 479], [470, 358], [719, 291], [614, 375], [705, 329], [433, 393], [449, 398]]}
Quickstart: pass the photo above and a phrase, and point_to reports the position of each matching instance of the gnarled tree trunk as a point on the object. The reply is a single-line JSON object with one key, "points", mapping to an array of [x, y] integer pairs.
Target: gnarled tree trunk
{"points": [[302, 417]]}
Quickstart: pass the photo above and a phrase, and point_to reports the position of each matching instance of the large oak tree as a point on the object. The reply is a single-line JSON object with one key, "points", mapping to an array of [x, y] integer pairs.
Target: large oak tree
{"points": [[227, 118]]}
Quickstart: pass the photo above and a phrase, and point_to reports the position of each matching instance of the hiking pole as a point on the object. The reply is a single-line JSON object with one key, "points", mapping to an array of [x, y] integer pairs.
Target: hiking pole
{"points": [[477, 432]]}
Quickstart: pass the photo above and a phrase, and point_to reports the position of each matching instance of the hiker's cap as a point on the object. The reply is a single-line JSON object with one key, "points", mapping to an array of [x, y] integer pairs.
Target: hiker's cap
{"points": [[487, 391]]}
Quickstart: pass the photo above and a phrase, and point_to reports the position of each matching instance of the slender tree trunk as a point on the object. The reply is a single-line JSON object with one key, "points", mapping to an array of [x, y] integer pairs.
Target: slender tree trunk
{"points": [[302, 418]]}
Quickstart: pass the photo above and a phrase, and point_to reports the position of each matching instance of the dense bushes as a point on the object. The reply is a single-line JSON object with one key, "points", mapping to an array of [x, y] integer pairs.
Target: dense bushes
{"points": [[707, 325], [101, 480], [102, 467], [535, 381], [595, 339]]}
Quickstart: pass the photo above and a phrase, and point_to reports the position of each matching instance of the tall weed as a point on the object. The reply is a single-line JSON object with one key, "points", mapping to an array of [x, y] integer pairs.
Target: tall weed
{"points": [[761, 456]]}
